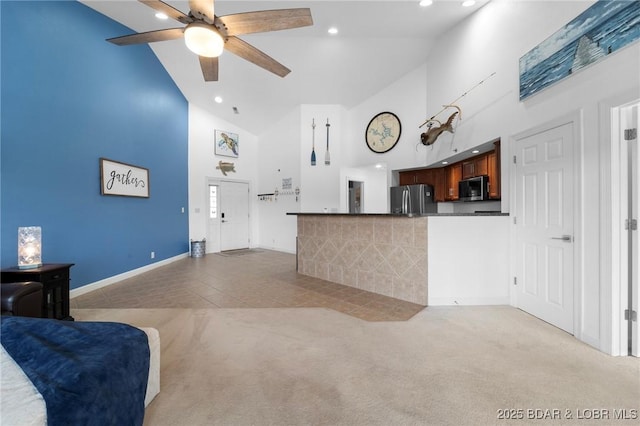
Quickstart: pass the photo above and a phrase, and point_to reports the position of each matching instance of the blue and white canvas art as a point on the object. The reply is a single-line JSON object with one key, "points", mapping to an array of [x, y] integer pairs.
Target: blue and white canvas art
{"points": [[226, 144], [602, 29]]}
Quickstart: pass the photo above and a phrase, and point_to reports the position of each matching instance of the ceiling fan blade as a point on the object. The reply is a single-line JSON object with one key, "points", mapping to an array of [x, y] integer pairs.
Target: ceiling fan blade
{"points": [[202, 9], [170, 11], [209, 68], [266, 20], [148, 37], [251, 54]]}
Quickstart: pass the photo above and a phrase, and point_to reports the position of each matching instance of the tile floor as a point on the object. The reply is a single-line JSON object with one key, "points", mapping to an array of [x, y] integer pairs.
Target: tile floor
{"points": [[248, 279]]}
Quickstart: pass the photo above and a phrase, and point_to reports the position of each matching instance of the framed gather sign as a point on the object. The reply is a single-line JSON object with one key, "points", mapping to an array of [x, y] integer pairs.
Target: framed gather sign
{"points": [[123, 179]]}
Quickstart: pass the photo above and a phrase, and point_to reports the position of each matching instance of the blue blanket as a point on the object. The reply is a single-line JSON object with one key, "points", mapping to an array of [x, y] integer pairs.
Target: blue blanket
{"points": [[89, 373]]}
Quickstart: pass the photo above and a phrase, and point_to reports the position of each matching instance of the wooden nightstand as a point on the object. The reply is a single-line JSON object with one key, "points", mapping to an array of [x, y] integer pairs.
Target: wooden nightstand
{"points": [[55, 279]]}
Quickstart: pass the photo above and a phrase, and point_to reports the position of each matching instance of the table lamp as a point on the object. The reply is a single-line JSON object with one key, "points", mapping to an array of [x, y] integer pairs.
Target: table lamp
{"points": [[29, 247]]}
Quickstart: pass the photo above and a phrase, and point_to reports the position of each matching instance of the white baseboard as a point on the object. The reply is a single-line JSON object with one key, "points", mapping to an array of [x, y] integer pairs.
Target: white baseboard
{"points": [[117, 278], [467, 301]]}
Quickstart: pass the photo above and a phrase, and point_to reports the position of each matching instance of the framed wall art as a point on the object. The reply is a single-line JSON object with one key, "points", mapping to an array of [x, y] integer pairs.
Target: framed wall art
{"points": [[226, 144], [123, 179], [600, 30], [383, 132]]}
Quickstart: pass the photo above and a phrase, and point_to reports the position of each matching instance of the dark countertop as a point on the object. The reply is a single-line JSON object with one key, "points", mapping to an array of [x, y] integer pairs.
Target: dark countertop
{"points": [[487, 213]]}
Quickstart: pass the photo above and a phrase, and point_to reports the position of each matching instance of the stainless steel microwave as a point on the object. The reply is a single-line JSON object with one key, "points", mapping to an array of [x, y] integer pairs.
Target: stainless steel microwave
{"points": [[474, 189]]}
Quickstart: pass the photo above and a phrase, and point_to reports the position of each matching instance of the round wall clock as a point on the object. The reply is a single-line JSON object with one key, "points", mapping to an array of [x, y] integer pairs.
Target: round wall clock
{"points": [[383, 132]]}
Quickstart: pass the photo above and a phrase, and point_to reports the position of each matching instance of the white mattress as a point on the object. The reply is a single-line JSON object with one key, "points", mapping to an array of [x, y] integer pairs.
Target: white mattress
{"points": [[23, 405]]}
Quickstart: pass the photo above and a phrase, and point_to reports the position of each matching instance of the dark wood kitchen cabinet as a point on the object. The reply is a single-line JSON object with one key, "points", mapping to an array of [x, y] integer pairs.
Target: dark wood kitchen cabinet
{"points": [[434, 177], [445, 179], [476, 166], [407, 178], [493, 171], [55, 278], [439, 184], [453, 174]]}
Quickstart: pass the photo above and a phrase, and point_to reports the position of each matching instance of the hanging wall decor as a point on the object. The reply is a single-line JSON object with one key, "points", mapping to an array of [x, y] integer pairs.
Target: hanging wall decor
{"points": [[431, 135], [226, 144], [124, 179], [327, 159], [602, 29], [313, 141], [225, 167], [383, 132]]}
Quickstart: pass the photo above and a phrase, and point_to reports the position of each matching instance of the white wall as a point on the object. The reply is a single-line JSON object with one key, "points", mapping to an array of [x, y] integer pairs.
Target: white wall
{"points": [[321, 183], [279, 158], [375, 187], [202, 167], [468, 260], [407, 99]]}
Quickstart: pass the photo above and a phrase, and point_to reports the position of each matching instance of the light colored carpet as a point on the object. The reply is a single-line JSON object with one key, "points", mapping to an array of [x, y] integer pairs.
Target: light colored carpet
{"points": [[315, 366]]}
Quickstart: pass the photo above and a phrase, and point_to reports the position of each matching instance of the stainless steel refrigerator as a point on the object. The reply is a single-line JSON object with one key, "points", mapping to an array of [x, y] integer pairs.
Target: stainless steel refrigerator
{"points": [[412, 200]]}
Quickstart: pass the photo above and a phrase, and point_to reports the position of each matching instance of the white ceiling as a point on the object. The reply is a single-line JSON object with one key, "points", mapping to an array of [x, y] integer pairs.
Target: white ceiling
{"points": [[378, 42]]}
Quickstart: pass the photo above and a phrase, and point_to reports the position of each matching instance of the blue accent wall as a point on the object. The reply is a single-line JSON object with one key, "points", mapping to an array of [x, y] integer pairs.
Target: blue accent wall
{"points": [[69, 98]]}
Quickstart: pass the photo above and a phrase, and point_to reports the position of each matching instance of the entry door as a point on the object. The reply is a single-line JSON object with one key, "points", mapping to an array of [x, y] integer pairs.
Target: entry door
{"points": [[234, 215], [544, 225]]}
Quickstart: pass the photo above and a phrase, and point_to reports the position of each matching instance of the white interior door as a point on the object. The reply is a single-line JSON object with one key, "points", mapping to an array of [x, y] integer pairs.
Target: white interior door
{"points": [[634, 257], [234, 215], [627, 226], [544, 225], [629, 167]]}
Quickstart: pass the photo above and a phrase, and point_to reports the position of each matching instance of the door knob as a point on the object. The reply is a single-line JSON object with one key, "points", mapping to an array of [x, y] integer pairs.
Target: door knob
{"points": [[566, 238]]}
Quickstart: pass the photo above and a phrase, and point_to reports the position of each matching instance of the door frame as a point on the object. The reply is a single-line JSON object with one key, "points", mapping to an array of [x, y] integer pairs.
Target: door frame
{"points": [[619, 299], [360, 180], [575, 120], [217, 181]]}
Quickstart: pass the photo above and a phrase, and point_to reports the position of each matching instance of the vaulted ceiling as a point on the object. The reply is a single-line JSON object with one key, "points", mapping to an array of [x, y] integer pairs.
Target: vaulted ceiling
{"points": [[377, 43]]}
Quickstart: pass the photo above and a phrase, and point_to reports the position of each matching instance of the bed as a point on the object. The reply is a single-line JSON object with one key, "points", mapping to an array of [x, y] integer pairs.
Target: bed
{"points": [[63, 372]]}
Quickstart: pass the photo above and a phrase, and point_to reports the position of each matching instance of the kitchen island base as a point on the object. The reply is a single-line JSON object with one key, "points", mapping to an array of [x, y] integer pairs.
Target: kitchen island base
{"points": [[382, 254]]}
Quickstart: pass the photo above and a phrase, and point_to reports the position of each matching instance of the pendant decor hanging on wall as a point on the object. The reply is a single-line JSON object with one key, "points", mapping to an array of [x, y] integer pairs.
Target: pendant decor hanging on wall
{"points": [[327, 158], [433, 133], [313, 141]]}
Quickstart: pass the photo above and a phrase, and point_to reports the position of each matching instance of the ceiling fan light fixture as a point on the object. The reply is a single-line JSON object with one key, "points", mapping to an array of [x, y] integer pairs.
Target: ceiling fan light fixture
{"points": [[203, 40]]}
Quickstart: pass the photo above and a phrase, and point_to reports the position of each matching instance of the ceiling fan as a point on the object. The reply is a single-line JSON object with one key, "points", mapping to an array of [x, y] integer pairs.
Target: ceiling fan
{"points": [[208, 35]]}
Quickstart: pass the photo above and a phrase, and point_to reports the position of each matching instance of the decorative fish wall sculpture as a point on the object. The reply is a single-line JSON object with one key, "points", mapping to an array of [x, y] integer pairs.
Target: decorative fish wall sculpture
{"points": [[429, 137]]}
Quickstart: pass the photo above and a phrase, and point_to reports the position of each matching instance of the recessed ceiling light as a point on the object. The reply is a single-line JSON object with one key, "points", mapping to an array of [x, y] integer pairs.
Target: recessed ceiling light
{"points": [[218, 99], [468, 3], [475, 151], [425, 3], [445, 162], [378, 166], [161, 15], [333, 31]]}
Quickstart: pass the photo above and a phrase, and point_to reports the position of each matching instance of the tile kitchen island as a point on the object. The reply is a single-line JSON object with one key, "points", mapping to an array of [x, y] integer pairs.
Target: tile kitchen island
{"points": [[394, 255]]}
